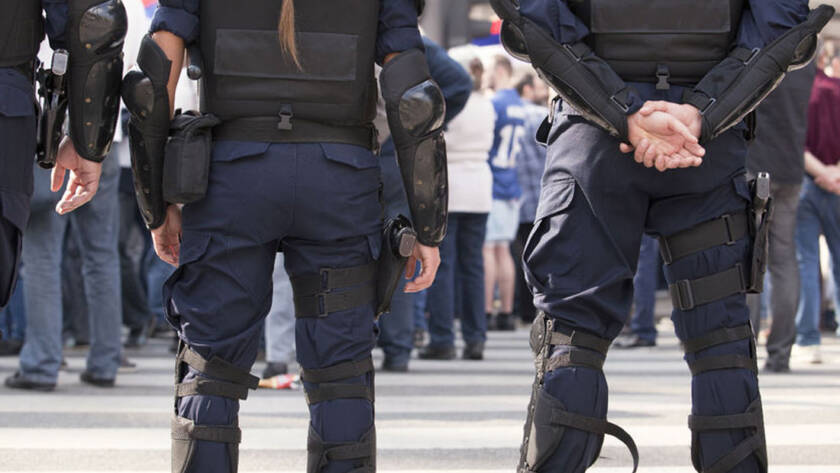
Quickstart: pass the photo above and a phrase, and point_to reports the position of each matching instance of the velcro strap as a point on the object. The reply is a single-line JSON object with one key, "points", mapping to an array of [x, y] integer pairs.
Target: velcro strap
{"points": [[690, 293], [699, 100], [580, 339], [219, 368], [725, 230], [185, 429], [573, 357], [744, 55], [331, 391], [718, 337], [722, 362], [596, 426], [728, 462], [350, 369], [323, 304], [349, 451], [726, 422], [329, 279], [211, 387]]}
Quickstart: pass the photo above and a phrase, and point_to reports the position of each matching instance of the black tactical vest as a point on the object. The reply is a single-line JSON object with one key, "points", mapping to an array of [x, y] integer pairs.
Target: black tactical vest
{"points": [[261, 95], [654, 40], [21, 31]]}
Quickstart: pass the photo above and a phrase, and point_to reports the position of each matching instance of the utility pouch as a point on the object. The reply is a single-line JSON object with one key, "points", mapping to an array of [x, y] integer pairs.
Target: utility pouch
{"points": [[186, 167], [398, 240], [761, 211]]}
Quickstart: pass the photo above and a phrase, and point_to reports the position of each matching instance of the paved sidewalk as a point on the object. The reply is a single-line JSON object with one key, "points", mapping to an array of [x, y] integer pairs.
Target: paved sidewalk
{"points": [[443, 416]]}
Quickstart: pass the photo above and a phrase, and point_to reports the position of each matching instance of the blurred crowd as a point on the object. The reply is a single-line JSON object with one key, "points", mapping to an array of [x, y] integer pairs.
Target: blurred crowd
{"points": [[495, 167]]}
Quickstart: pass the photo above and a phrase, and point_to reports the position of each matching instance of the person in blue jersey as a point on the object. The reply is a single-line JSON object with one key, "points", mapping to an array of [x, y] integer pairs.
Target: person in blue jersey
{"points": [[503, 221], [89, 35], [650, 137], [288, 91]]}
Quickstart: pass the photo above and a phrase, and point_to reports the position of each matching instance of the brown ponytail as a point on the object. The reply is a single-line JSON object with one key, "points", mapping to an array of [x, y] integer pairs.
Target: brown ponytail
{"points": [[286, 30]]}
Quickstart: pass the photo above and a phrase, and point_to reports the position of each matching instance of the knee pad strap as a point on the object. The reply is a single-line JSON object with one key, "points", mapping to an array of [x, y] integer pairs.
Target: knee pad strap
{"points": [[328, 390], [321, 453], [754, 444]]}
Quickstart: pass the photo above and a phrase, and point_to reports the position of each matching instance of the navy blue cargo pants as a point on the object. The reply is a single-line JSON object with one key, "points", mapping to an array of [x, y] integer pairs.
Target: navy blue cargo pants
{"points": [[580, 260], [321, 204]]}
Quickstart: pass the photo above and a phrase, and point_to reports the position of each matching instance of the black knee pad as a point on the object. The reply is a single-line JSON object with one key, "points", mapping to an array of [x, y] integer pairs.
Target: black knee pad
{"points": [[227, 381], [361, 453]]}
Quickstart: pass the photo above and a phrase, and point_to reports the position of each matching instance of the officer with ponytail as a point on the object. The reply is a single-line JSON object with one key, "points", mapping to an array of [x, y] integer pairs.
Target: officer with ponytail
{"points": [[283, 156]]}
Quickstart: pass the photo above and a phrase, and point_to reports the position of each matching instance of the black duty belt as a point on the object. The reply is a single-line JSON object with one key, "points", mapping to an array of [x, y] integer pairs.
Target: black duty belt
{"points": [[287, 129]]}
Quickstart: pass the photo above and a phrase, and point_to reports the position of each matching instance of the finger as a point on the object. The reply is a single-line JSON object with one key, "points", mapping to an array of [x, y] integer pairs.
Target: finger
{"points": [[639, 155], [625, 148], [71, 202], [650, 156], [662, 163], [426, 276], [679, 127], [410, 267], [57, 177], [696, 149], [653, 106]]}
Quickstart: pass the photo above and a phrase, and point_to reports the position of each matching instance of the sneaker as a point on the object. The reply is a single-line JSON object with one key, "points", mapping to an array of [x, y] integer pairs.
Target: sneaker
{"points": [[473, 351], [633, 341], [491, 322], [88, 378], [437, 352], [505, 322], [419, 338], [394, 366], [10, 347], [17, 381], [273, 369], [126, 365], [809, 353]]}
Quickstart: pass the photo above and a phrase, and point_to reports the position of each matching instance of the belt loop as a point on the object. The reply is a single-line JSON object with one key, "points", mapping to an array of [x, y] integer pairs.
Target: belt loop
{"points": [[285, 123], [662, 76]]}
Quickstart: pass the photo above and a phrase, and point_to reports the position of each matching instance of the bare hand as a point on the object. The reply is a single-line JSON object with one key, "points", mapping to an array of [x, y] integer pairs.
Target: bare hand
{"points": [[429, 258], [829, 179], [84, 177], [685, 113], [167, 237], [661, 140]]}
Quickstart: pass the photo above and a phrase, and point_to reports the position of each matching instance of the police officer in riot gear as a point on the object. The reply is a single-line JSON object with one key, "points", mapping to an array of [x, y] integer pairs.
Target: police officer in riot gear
{"points": [[293, 167], [90, 33], [633, 76]]}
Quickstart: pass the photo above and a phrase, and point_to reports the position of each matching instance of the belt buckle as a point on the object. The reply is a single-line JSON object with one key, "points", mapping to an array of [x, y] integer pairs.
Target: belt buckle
{"points": [[683, 295]]}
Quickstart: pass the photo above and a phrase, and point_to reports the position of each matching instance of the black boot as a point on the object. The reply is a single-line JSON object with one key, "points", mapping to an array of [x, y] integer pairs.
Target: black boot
{"points": [[473, 351], [437, 352], [505, 322]]}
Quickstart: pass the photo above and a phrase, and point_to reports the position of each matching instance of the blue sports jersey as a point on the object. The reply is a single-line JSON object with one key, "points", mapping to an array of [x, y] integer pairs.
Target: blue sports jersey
{"points": [[510, 126]]}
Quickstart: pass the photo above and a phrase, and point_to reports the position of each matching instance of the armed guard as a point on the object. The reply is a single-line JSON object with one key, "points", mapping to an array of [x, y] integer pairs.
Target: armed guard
{"points": [[606, 58], [85, 76], [292, 166]]}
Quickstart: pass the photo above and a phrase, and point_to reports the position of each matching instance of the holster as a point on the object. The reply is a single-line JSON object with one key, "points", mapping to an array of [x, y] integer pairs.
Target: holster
{"points": [[186, 167], [53, 92], [760, 213], [398, 240]]}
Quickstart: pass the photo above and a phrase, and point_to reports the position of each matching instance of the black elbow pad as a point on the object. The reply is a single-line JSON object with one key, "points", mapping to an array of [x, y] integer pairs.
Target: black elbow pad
{"points": [[96, 31], [736, 86], [416, 109], [146, 97]]}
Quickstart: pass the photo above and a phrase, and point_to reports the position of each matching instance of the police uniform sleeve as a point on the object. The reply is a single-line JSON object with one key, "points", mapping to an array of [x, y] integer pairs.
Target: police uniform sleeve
{"points": [[774, 38], [453, 80], [56, 22], [397, 29], [179, 17], [95, 34], [560, 56]]}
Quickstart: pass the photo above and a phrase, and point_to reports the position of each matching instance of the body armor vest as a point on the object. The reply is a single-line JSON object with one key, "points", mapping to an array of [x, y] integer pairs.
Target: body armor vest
{"points": [[664, 41], [258, 91], [21, 31]]}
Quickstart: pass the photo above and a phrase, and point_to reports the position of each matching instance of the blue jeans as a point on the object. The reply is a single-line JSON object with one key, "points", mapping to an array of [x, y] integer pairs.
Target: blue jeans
{"points": [[280, 322], [395, 327], [157, 272], [461, 259], [13, 317], [818, 213], [644, 290], [97, 224]]}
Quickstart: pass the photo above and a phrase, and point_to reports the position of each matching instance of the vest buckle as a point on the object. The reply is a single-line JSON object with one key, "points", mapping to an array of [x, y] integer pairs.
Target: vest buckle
{"points": [[662, 74], [285, 123]]}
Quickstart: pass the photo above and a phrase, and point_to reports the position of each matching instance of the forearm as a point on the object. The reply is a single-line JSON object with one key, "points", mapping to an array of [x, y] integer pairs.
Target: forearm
{"points": [[173, 47], [813, 166]]}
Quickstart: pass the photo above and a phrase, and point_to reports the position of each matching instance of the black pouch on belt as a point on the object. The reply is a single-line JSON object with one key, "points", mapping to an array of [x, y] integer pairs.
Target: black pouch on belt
{"points": [[186, 165], [761, 211], [398, 240]]}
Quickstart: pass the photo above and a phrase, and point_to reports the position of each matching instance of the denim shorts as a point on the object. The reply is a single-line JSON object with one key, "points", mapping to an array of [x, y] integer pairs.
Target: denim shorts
{"points": [[503, 221]]}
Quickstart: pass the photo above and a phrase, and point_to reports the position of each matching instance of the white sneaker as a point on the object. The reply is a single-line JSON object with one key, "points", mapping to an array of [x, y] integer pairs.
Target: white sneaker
{"points": [[811, 353]]}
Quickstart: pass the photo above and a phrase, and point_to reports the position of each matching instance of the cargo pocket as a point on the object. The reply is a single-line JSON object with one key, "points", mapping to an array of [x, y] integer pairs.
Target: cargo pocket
{"points": [[193, 247], [555, 199], [351, 155]]}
